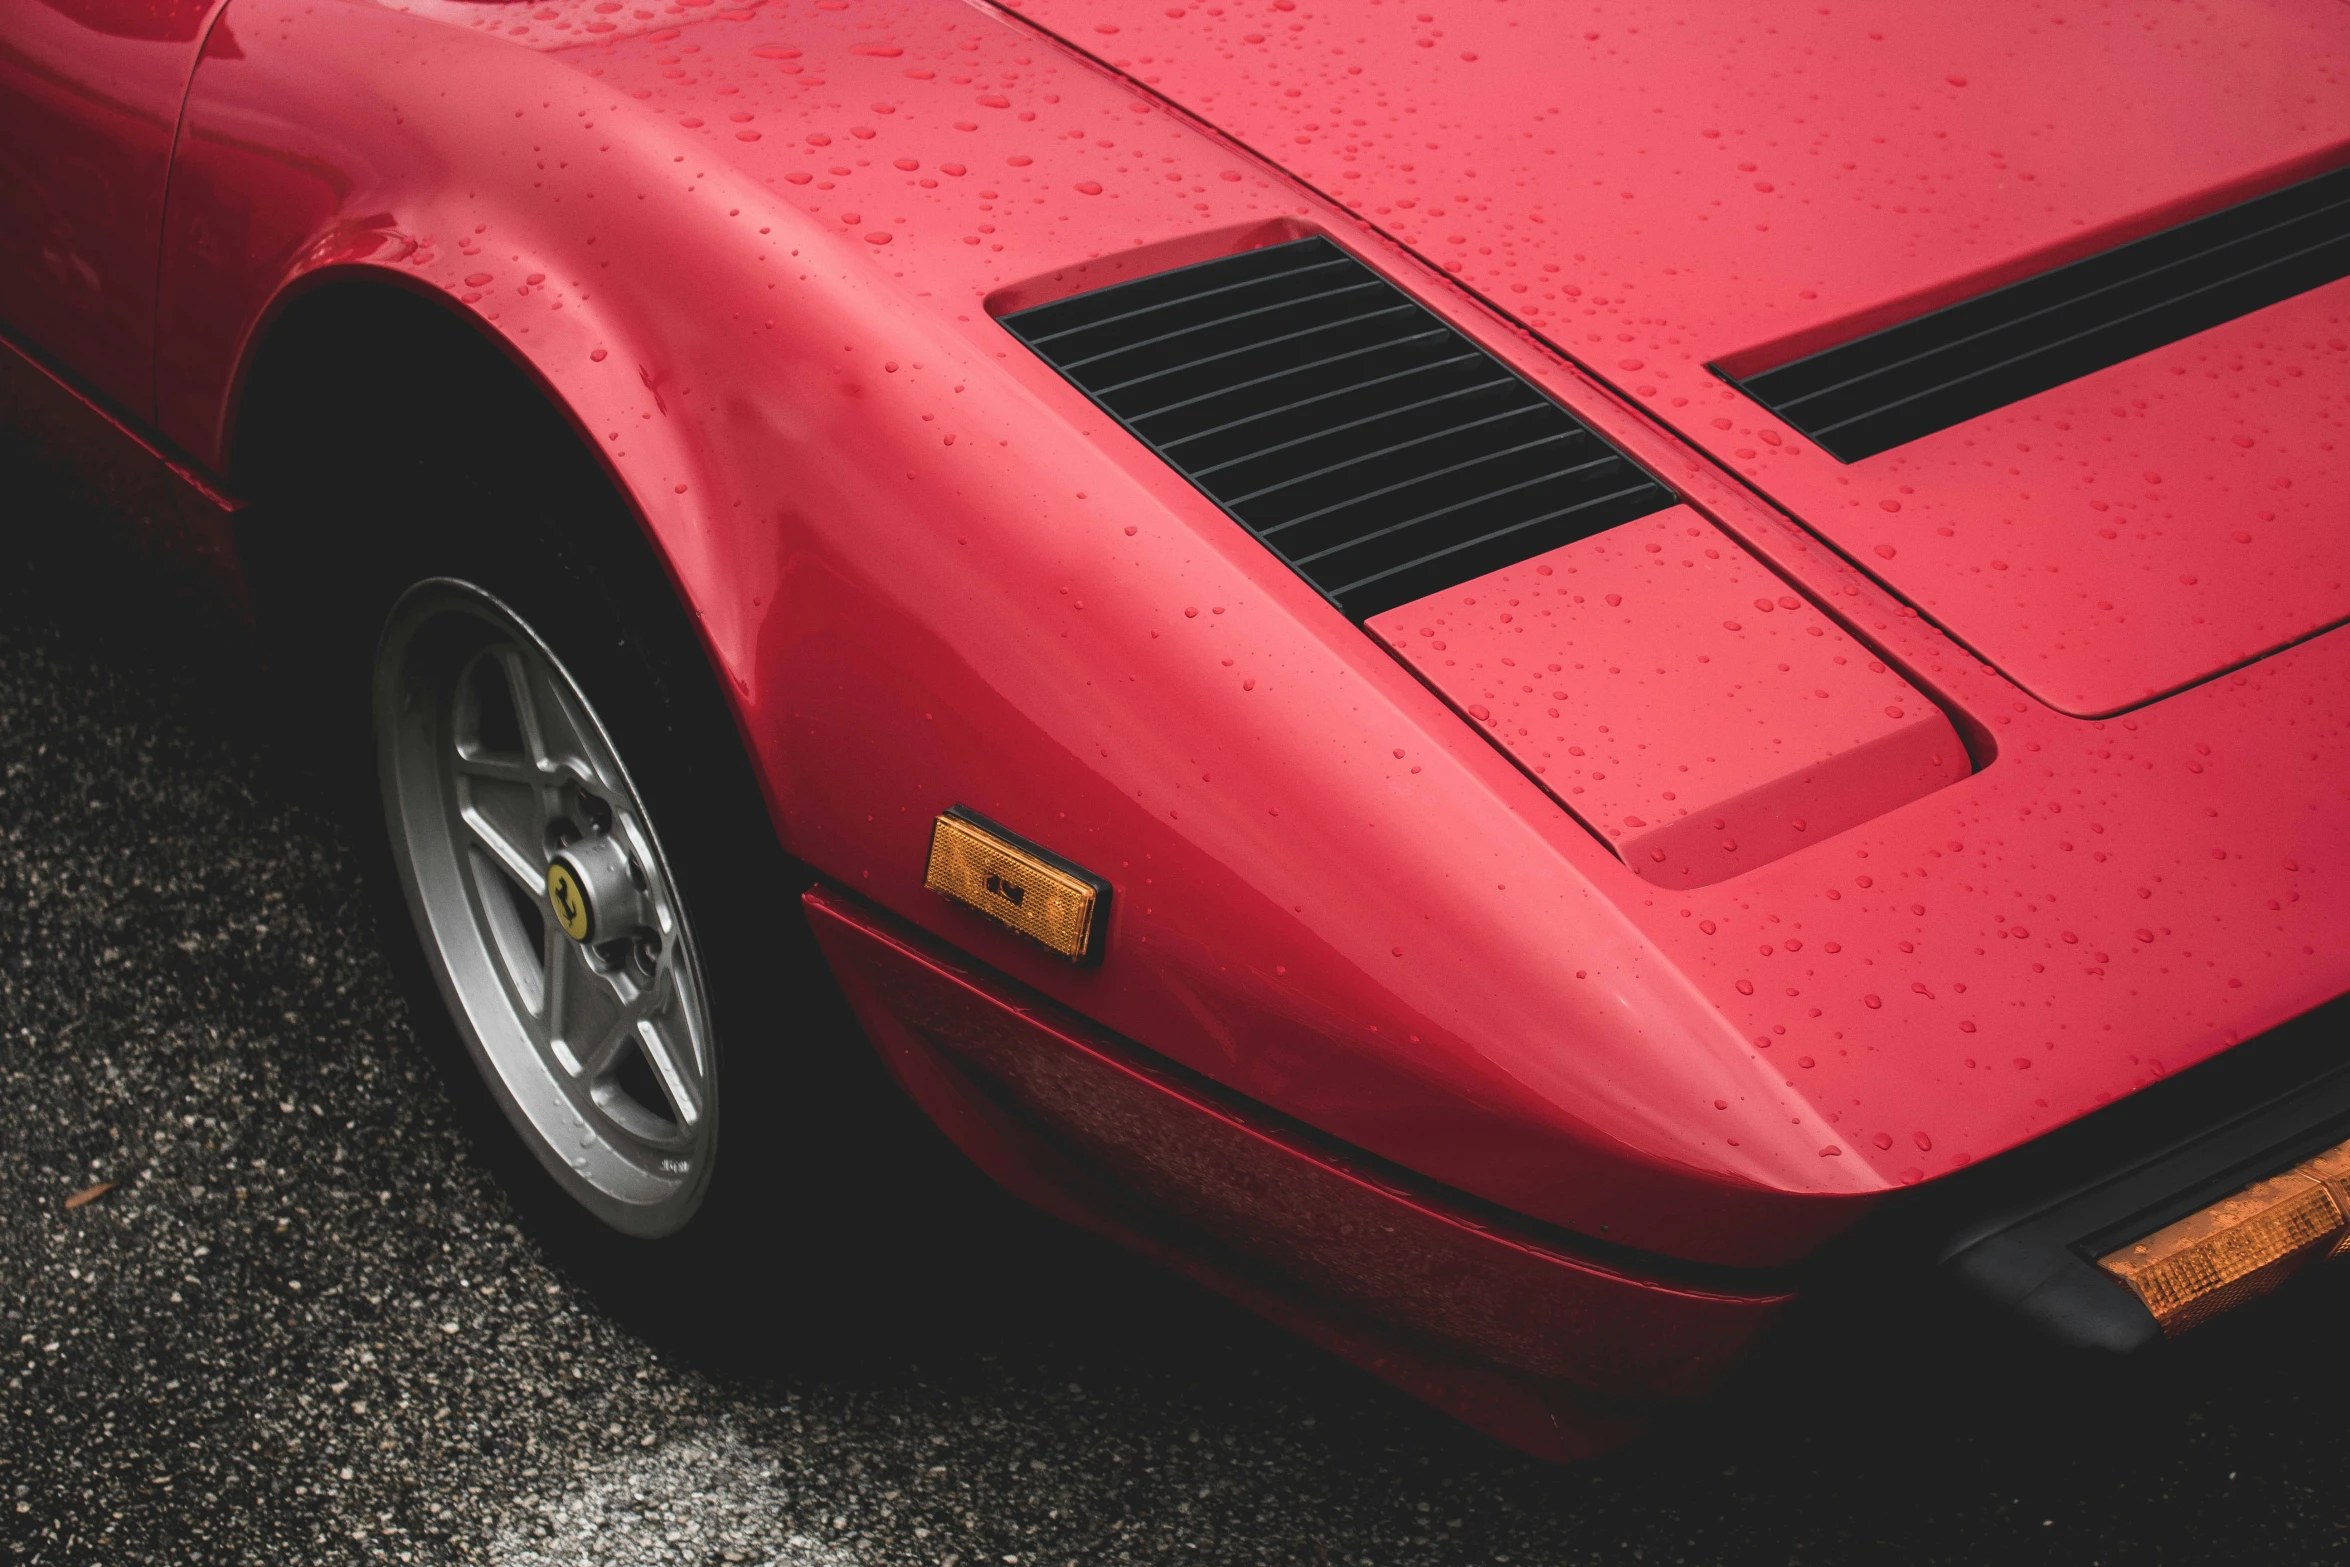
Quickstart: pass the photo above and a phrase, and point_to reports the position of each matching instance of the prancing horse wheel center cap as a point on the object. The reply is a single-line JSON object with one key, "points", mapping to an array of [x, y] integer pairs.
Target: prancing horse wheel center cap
{"points": [[592, 891]]}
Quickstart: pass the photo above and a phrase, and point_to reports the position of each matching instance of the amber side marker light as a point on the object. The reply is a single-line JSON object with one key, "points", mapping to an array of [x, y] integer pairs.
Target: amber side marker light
{"points": [[2240, 1247], [1010, 880]]}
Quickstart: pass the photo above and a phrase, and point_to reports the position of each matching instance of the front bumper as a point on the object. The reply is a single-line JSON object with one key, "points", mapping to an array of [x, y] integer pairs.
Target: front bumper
{"points": [[2027, 1231]]}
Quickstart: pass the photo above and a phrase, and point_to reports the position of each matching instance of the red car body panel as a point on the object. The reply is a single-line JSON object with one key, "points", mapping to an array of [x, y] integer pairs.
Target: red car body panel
{"points": [[1658, 192], [1507, 1329], [90, 96], [757, 254], [1671, 692]]}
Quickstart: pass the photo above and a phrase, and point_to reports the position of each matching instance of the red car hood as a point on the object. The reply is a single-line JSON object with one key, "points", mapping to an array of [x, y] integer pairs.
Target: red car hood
{"points": [[1657, 194]]}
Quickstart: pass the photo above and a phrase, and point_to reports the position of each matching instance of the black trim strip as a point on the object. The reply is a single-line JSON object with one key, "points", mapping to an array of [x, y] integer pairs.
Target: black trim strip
{"points": [[153, 442], [1378, 452], [2036, 1219], [1964, 360]]}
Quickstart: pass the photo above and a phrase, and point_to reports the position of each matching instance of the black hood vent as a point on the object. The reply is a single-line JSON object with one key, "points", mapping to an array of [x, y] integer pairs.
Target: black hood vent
{"points": [[1376, 450], [1875, 392]]}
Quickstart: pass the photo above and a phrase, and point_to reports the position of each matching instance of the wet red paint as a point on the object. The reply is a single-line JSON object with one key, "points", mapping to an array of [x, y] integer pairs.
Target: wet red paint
{"points": [[89, 99], [1597, 178], [1503, 1326], [1678, 699], [1335, 896]]}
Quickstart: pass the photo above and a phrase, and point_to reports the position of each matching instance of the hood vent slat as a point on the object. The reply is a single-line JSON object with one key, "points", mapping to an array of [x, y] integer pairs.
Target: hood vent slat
{"points": [[1949, 366], [1381, 454]]}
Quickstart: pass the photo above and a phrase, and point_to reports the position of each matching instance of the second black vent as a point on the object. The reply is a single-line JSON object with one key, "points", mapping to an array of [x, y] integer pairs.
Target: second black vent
{"points": [[1940, 369], [1376, 450]]}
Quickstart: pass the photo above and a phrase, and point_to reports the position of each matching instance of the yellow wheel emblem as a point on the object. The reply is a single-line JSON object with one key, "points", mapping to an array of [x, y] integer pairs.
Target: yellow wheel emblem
{"points": [[568, 901]]}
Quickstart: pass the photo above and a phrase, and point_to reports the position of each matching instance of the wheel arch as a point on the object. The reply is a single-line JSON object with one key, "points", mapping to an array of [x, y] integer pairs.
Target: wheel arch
{"points": [[401, 344], [339, 198], [348, 344], [327, 326]]}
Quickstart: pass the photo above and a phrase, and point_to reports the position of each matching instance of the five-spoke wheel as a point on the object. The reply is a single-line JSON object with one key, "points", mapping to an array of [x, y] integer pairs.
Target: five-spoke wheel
{"points": [[549, 916]]}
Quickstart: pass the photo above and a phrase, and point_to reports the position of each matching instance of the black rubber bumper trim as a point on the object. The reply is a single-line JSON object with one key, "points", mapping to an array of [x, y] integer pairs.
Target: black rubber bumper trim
{"points": [[2034, 1221]]}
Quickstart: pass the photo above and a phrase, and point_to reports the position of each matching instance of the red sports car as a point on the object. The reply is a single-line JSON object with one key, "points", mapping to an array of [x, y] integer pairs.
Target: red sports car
{"points": [[1514, 679]]}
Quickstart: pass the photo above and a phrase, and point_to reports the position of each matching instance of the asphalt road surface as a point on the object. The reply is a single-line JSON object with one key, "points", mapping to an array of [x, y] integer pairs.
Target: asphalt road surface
{"points": [[320, 1318]]}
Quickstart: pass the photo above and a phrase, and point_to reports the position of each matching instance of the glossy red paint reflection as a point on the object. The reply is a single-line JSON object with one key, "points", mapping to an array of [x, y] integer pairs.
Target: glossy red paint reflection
{"points": [[1562, 1355], [1678, 699], [1656, 191], [89, 100], [918, 585], [752, 252]]}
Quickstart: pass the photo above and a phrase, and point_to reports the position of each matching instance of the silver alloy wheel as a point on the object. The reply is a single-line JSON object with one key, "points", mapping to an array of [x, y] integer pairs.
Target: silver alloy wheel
{"points": [[548, 914]]}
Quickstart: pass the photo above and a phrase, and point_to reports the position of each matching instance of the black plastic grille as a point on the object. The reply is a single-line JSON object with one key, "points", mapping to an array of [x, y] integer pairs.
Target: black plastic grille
{"points": [[1376, 450], [1941, 369]]}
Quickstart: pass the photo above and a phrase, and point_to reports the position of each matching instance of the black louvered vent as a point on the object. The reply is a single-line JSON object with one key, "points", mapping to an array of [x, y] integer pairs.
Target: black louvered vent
{"points": [[1875, 392], [1377, 451]]}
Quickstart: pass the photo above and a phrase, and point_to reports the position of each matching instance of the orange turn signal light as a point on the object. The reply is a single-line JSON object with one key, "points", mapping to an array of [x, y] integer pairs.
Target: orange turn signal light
{"points": [[2240, 1247], [1010, 880]]}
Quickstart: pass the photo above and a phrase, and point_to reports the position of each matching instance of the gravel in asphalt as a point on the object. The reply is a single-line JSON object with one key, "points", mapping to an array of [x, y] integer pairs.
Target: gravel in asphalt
{"points": [[319, 1316]]}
